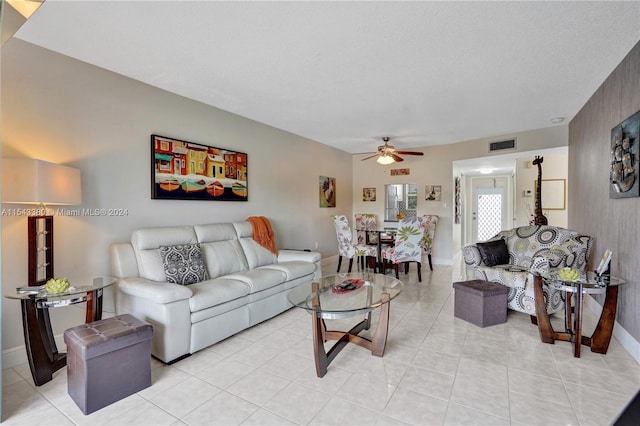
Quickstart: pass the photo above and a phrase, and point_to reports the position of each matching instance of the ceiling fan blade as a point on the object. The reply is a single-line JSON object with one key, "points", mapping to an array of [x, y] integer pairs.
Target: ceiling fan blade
{"points": [[371, 156], [410, 152], [395, 157]]}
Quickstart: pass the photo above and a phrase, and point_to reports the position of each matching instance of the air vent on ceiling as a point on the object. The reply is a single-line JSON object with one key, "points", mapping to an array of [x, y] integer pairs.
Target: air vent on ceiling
{"points": [[502, 145]]}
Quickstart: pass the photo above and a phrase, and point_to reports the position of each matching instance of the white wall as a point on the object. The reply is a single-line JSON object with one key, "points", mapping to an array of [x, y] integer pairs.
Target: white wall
{"points": [[64, 111]]}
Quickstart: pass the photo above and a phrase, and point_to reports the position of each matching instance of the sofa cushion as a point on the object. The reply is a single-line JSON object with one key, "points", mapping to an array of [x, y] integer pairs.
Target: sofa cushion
{"points": [[147, 241], [494, 252], [207, 294], [260, 278], [183, 263], [293, 269], [256, 254]]}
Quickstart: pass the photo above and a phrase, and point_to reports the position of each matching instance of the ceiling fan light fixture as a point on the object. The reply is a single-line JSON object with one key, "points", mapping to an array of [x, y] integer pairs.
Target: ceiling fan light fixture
{"points": [[385, 159]]}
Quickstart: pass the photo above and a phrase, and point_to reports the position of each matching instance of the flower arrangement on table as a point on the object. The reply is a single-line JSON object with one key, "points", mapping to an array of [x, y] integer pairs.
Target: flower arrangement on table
{"points": [[400, 216]]}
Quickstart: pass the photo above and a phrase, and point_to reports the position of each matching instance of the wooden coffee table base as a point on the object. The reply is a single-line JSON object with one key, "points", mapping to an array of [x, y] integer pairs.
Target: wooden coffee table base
{"points": [[599, 340], [376, 345]]}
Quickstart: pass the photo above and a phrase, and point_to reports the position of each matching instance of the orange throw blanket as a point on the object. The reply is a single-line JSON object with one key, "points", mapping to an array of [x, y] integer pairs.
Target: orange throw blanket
{"points": [[262, 233]]}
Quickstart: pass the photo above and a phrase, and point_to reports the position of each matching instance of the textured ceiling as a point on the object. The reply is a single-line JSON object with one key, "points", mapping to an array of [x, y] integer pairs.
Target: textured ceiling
{"points": [[347, 73]]}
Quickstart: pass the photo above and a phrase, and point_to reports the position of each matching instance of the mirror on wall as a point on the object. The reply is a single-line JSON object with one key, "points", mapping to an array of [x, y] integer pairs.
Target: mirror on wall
{"points": [[400, 198]]}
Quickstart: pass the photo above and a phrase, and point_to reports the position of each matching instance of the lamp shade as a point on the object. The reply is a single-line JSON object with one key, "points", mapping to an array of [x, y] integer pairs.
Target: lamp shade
{"points": [[385, 159], [30, 181]]}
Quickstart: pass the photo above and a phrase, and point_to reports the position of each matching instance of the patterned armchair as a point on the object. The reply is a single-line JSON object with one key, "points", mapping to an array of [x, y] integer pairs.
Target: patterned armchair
{"points": [[366, 222], [429, 232], [536, 249], [345, 243], [407, 247]]}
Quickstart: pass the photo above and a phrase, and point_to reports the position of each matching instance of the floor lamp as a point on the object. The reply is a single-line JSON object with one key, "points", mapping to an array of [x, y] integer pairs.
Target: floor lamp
{"points": [[36, 182]]}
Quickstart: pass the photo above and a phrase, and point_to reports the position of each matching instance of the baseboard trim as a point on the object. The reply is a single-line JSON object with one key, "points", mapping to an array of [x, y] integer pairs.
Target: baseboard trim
{"points": [[631, 345], [13, 357]]}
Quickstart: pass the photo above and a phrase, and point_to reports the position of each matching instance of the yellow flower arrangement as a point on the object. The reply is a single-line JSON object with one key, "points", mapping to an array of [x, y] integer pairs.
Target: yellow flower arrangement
{"points": [[400, 216]]}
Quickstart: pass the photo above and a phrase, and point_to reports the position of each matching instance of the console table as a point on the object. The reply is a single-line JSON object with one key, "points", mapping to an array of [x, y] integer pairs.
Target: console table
{"points": [[588, 284], [42, 352]]}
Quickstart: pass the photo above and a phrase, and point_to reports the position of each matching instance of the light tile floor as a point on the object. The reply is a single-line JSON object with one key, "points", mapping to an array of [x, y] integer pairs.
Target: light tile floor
{"points": [[437, 369]]}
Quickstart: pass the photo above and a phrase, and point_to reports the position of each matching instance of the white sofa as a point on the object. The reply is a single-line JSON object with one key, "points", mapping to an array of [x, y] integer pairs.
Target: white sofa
{"points": [[535, 250], [246, 284]]}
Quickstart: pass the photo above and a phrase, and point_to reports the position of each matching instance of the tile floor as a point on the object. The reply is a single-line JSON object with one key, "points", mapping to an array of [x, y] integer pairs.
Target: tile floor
{"points": [[436, 370]]}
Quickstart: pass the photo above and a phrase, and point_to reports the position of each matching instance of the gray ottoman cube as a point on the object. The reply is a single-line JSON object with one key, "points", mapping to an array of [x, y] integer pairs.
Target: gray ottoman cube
{"points": [[482, 303], [107, 360]]}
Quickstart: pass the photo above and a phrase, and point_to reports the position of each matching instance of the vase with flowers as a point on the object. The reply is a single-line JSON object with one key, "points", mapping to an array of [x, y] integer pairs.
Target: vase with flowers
{"points": [[400, 216]]}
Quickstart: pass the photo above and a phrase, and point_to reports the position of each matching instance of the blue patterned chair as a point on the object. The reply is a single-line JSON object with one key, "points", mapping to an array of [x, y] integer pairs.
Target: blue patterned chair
{"points": [[407, 246], [536, 250], [345, 244]]}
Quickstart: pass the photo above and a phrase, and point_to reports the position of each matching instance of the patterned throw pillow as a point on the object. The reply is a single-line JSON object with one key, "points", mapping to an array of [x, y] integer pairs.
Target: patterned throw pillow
{"points": [[183, 264]]}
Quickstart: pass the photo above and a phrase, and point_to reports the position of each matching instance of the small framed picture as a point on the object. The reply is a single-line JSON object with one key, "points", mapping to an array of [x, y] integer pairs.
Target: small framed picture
{"points": [[368, 194], [327, 189], [433, 192]]}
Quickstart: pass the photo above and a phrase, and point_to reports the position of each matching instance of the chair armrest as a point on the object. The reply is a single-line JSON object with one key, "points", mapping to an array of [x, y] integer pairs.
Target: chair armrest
{"points": [[156, 292], [545, 261], [471, 256], [572, 253]]}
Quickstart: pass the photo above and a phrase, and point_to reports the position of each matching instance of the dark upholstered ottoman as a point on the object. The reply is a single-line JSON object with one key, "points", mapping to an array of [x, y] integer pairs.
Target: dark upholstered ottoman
{"points": [[107, 360], [482, 303]]}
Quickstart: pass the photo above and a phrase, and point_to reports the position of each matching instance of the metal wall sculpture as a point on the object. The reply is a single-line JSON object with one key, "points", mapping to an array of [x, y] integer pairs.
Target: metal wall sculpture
{"points": [[623, 177]]}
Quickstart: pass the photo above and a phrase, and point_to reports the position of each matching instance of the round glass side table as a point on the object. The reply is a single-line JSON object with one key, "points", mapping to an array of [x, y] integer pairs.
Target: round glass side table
{"points": [[42, 353]]}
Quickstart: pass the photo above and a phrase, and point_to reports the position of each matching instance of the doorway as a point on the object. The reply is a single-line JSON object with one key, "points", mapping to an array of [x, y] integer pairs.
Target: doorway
{"points": [[491, 206]]}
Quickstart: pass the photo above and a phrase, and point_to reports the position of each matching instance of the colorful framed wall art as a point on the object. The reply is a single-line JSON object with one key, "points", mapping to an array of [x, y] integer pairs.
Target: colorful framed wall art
{"points": [[182, 170]]}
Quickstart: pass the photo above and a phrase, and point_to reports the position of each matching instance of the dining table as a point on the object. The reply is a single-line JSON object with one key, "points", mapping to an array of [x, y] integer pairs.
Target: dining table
{"points": [[383, 237]]}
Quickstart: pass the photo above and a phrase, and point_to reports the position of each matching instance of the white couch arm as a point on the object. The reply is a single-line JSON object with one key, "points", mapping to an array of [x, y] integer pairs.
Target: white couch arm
{"points": [[153, 291], [163, 305], [305, 256]]}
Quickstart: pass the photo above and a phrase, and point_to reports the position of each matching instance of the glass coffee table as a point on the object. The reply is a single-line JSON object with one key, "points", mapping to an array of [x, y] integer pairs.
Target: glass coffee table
{"points": [[588, 283], [341, 296]]}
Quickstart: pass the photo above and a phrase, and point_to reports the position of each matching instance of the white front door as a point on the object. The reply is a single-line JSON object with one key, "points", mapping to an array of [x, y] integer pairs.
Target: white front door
{"points": [[489, 211]]}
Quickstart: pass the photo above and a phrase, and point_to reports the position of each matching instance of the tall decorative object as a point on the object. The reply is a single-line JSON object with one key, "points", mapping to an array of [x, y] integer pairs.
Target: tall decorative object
{"points": [[539, 218], [458, 203], [39, 183], [623, 177]]}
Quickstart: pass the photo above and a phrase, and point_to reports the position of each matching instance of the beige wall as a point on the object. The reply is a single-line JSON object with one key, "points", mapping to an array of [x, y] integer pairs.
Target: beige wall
{"points": [[64, 111], [613, 223], [436, 167], [554, 166]]}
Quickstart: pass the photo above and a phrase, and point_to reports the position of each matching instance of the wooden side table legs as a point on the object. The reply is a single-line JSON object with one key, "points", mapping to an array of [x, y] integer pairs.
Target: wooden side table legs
{"points": [[320, 335], [42, 353], [601, 337]]}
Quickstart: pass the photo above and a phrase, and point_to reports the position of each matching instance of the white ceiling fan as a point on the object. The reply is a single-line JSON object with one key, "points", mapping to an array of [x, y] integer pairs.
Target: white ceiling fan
{"points": [[388, 154]]}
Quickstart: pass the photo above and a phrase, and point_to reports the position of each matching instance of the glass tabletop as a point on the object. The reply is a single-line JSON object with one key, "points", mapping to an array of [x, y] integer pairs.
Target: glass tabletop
{"points": [[344, 295], [39, 292], [591, 283]]}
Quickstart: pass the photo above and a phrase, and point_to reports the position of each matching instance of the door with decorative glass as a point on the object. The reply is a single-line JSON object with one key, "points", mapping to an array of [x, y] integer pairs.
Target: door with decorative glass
{"points": [[490, 201]]}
